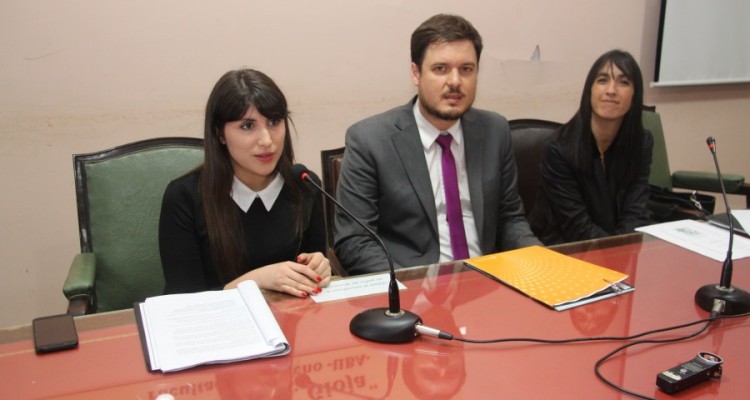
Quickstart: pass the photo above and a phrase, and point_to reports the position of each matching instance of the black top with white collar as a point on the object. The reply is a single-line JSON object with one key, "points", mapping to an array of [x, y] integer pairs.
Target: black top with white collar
{"points": [[269, 235]]}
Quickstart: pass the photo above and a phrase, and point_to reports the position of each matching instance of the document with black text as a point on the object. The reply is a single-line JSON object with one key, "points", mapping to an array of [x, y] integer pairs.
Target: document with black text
{"points": [[180, 331]]}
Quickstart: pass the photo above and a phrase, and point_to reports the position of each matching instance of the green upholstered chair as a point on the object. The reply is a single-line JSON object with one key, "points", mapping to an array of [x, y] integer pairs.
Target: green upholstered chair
{"points": [[119, 193], [529, 136], [706, 181]]}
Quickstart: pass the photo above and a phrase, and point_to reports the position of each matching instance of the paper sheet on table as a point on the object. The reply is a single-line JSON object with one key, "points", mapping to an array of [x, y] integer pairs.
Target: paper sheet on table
{"points": [[743, 216], [355, 287], [700, 237]]}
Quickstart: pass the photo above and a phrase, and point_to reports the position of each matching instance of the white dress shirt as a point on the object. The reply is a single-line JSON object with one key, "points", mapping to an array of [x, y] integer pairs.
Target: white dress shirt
{"points": [[433, 154]]}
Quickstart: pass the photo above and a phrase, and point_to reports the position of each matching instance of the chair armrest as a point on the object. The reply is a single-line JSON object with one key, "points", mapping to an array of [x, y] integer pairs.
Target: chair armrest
{"points": [[707, 181], [79, 284]]}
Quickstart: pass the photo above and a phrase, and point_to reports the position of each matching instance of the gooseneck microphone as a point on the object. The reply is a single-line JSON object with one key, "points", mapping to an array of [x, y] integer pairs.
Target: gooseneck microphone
{"points": [[385, 325], [736, 301]]}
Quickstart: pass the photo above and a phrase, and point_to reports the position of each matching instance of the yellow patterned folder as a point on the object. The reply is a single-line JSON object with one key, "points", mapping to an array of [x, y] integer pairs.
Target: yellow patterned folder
{"points": [[554, 279]]}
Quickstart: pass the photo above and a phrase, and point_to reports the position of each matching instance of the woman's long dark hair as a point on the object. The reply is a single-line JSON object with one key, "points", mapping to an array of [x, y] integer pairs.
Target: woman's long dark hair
{"points": [[230, 98], [577, 135]]}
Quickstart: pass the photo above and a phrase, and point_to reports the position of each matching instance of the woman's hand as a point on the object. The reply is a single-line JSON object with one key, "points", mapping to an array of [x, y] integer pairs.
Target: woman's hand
{"points": [[303, 278], [319, 264]]}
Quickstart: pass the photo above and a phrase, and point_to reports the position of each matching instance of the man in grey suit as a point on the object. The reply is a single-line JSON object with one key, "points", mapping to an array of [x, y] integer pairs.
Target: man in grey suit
{"points": [[393, 172]]}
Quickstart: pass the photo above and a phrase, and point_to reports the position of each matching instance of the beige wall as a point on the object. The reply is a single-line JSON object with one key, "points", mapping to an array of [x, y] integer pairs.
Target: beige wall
{"points": [[78, 76]]}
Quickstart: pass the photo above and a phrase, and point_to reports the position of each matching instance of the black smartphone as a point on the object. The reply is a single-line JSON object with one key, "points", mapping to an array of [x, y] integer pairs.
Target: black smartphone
{"points": [[55, 332]]}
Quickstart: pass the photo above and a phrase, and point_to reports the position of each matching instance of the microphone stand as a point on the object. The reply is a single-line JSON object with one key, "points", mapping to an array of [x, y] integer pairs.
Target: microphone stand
{"points": [[736, 300], [384, 325]]}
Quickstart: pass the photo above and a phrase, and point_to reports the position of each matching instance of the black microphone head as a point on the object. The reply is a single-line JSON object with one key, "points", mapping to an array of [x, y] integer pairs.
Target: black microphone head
{"points": [[710, 141], [313, 178], [298, 172], [301, 174]]}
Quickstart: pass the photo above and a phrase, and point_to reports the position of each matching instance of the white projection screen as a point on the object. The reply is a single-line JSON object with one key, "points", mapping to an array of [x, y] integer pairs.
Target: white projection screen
{"points": [[703, 42]]}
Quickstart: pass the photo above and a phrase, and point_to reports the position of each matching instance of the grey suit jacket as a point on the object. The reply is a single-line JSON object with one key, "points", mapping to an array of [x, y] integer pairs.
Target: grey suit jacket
{"points": [[385, 182]]}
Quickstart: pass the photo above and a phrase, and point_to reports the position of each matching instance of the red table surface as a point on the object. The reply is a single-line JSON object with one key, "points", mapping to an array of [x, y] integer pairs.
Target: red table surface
{"points": [[328, 362]]}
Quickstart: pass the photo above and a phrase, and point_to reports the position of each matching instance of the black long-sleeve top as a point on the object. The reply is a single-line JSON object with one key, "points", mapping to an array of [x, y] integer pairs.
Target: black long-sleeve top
{"points": [[572, 205], [269, 235]]}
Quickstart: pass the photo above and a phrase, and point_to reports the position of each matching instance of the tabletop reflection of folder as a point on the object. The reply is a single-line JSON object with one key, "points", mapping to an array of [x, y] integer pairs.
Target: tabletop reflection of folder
{"points": [[556, 280]]}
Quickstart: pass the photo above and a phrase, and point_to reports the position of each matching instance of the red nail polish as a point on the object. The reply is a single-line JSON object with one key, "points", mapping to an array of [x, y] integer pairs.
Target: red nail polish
{"points": [[304, 294], [318, 290], [319, 279]]}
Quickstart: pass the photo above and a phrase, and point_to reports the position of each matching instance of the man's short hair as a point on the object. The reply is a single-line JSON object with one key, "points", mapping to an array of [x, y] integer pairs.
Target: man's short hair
{"points": [[442, 28]]}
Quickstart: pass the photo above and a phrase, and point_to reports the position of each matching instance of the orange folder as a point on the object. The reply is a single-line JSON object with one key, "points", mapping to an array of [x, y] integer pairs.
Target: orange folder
{"points": [[552, 278]]}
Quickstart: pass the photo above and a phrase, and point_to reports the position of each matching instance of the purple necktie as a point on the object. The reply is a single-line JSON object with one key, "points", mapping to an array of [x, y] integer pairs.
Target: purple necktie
{"points": [[452, 200]]}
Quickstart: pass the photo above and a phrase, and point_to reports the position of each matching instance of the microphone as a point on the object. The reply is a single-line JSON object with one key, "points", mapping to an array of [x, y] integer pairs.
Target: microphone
{"points": [[385, 325], [736, 300]]}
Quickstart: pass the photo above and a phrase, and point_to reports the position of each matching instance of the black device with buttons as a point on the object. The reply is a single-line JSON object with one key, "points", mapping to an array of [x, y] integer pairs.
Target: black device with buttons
{"points": [[703, 367]]}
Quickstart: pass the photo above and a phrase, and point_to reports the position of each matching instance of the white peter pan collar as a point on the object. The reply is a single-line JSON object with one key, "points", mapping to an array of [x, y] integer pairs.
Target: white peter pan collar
{"points": [[244, 196]]}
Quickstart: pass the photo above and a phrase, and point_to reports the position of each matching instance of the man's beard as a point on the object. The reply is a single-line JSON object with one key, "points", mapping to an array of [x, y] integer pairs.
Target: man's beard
{"points": [[444, 115]]}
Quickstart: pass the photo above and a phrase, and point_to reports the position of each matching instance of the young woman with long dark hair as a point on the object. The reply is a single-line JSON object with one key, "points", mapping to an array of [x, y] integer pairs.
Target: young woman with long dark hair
{"points": [[241, 215], [595, 170]]}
